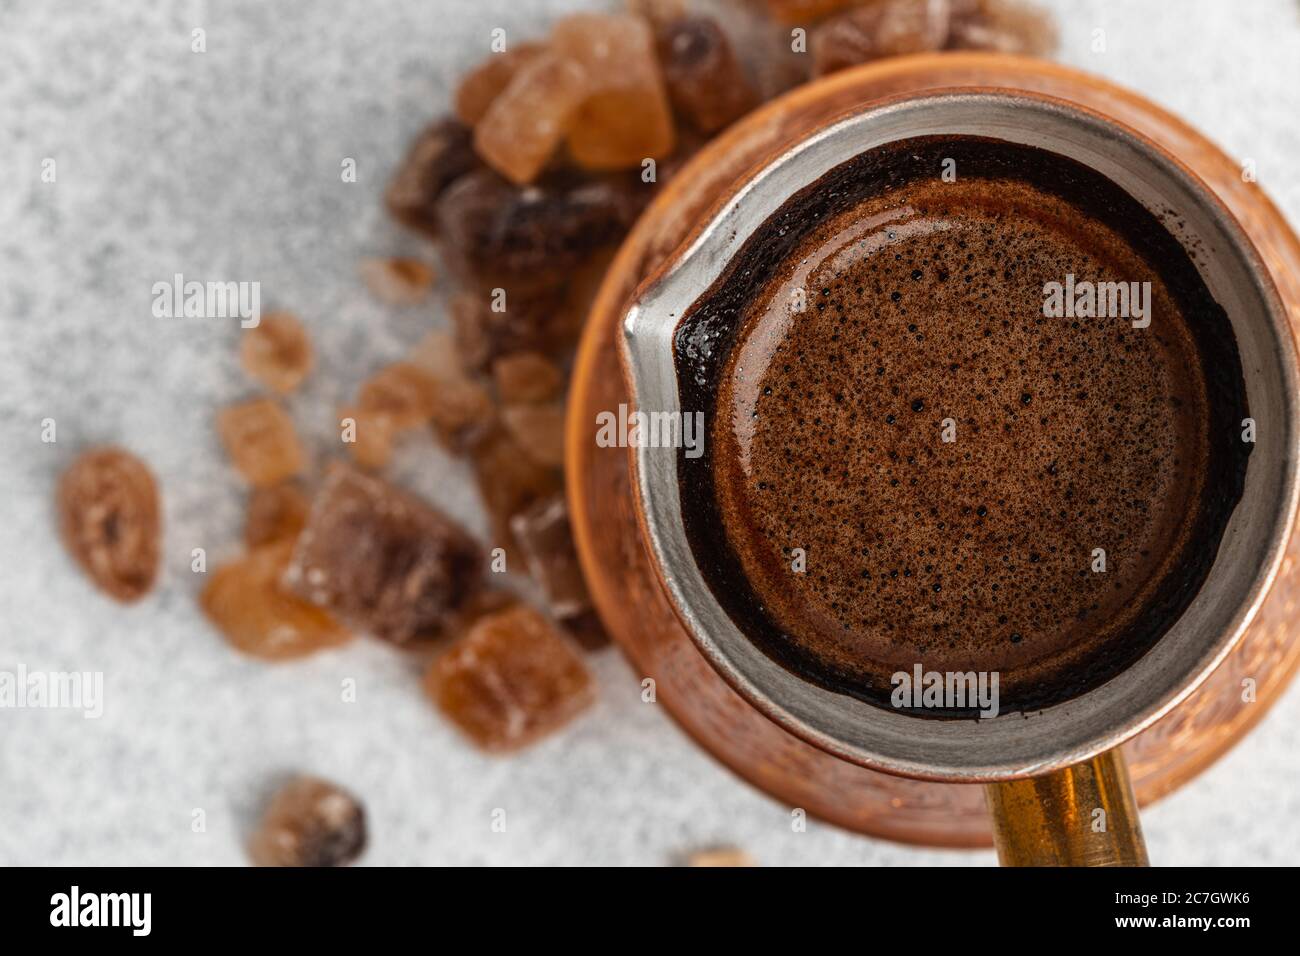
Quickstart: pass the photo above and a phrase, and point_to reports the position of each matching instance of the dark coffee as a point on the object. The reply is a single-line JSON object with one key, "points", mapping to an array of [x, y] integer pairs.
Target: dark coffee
{"points": [[909, 462]]}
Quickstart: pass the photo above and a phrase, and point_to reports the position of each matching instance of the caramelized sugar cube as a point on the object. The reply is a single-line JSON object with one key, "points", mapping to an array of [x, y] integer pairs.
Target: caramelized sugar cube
{"points": [[260, 440], [538, 430], [625, 119], [461, 408], [529, 240], [275, 514], [527, 121], [480, 87], [310, 822], [246, 602], [276, 352], [398, 280], [510, 480], [721, 856], [707, 86], [1002, 26], [383, 560], [110, 521], [513, 679], [439, 156], [368, 435], [403, 392], [546, 542], [526, 378], [881, 29]]}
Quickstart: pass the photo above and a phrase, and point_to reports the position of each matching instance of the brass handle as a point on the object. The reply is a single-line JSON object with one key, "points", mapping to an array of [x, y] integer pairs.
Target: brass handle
{"points": [[1084, 815]]}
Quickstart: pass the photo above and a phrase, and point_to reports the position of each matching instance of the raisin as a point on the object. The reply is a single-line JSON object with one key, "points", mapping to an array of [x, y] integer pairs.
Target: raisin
{"points": [[705, 81], [110, 520], [440, 155]]}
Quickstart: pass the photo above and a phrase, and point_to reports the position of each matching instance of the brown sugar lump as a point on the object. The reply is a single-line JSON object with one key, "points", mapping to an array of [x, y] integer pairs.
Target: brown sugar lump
{"points": [[260, 440], [880, 29], [369, 436], [276, 513], [512, 679], [510, 480], [310, 822], [383, 560], [110, 520], [529, 240], [403, 392], [461, 408], [1002, 26], [528, 120], [527, 378], [545, 540], [538, 430], [721, 856], [439, 156], [253, 611], [480, 87], [706, 83], [398, 280], [625, 119], [277, 352]]}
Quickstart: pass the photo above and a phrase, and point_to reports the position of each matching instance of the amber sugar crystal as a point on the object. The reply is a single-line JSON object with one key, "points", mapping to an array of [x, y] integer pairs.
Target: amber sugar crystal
{"points": [[383, 560], [510, 480], [369, 436], [260, 440], [277, 352], [398, 280], [110, 521], [511, 680], [538, 430], [527, 121], [527, 378], [480, 87], [310, 822], [276, 513], [1002, 26], [258, 616], [626, 118]]}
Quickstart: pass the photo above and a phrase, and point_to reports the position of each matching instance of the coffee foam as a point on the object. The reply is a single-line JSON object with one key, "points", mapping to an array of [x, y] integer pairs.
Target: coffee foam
{"points": [[923, 310]]}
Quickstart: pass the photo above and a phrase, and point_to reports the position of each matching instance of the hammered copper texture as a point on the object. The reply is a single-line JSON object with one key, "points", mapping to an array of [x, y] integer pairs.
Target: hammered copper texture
{"points": [[629, 596]]}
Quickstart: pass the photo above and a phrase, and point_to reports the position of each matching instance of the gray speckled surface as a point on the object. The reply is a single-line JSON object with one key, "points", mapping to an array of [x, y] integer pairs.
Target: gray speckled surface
{"points": [[226, 165]]}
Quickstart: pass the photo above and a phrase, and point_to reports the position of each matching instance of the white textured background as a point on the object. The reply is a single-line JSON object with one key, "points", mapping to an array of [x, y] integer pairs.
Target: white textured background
{"points": [[226, 165]]}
